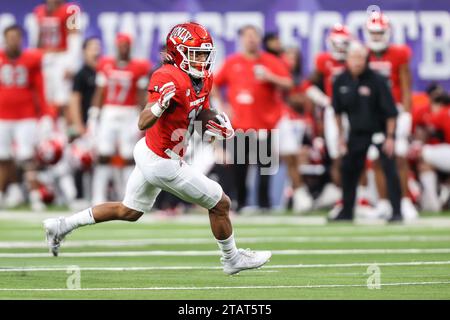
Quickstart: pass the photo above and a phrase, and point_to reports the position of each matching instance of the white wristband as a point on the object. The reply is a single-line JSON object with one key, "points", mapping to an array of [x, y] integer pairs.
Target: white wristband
{"points": [[156, 109]]}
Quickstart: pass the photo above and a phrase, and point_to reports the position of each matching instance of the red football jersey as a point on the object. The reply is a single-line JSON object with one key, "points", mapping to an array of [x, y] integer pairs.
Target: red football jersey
{"points": [[54, 27], [121, 82], [330, 68], [388, 64], [440, 120], [256, 104], [177, 122], [21, 86]]}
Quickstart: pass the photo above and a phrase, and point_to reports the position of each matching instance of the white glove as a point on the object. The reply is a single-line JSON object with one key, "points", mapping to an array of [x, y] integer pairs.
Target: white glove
{"points": [[167, 92], [222, 130]]}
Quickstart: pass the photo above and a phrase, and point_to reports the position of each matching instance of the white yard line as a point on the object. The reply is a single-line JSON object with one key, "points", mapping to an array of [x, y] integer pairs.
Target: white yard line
{"points": [[170, 241], [196, 218], [313, 286], [217, 253], [281, 266]]}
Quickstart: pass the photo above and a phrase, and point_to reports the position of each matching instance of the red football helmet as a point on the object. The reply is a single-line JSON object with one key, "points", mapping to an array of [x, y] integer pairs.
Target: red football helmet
{"points": [[46, 193], [50, 151], [377, 32], [81, 155], [190, 47], [338, 41]]}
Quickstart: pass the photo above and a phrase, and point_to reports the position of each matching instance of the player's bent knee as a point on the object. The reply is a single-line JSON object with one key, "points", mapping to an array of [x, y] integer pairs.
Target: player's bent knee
{"points": [[129, 214], [223, 206]]}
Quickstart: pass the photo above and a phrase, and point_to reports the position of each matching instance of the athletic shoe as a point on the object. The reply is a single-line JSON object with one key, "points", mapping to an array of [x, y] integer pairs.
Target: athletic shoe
{"points": [[245, 259], [55, 230]]}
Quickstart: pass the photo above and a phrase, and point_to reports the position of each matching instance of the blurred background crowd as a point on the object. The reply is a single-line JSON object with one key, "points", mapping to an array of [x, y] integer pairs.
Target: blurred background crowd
{"points": [[68, 119]]}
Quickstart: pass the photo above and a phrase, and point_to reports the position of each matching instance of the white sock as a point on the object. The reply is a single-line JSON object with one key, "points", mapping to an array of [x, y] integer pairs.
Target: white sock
{"points": [[67, 185], [430, 199], [35, 196], [80, 219], [228, 247], [102, 174], [362, 192]]}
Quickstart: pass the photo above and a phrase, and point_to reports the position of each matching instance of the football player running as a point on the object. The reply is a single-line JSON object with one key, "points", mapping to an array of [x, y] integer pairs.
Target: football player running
{"points": [[392, 61], [177, 92]]}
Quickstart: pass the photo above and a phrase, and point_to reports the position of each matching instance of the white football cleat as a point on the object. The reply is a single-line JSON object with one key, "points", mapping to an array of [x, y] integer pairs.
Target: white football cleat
{"points": [[55, 231], [245, 259], [408, 210], [302, 200], [383, 209]]}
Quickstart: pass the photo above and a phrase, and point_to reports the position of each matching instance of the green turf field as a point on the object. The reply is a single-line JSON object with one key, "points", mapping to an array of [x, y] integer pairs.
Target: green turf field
{"points": [[178, 259]]}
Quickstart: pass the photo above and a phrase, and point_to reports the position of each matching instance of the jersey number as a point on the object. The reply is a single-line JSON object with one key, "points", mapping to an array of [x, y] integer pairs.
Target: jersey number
{"points": [[192, 116], [13, 76], [118, 89]]}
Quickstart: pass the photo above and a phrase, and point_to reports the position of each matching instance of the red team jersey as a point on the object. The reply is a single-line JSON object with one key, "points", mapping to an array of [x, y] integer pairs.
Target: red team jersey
{"points": [[256, 104], [329, 68], [170, 130], [388, 64], [53, 27], [121, 83], [21, 86], [440, 120]]}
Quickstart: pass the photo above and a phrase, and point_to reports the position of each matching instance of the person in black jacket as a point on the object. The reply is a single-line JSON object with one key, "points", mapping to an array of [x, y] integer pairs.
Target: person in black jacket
{"points": [[364, 96]]}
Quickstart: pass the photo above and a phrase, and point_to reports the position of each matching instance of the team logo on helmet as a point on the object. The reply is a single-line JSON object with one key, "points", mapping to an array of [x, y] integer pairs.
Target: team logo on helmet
{"points": [[190, 48]]}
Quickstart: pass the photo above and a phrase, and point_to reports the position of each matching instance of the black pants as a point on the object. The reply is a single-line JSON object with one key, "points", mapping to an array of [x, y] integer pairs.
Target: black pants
{"points": [[251, 150], [352, 166]]}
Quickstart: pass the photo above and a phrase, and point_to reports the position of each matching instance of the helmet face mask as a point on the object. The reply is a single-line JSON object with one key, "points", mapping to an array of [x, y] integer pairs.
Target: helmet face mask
{"points": [[377, 32], [190, 48], [338, 42], [338, 47], [197, 61]]}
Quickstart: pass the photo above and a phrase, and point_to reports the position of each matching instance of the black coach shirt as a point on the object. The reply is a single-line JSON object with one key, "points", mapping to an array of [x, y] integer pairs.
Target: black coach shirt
{"points": [[84, 83], [367, 100]]}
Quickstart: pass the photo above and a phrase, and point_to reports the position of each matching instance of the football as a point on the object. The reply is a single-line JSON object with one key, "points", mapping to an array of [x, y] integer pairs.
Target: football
{"points": [[202, 119]]}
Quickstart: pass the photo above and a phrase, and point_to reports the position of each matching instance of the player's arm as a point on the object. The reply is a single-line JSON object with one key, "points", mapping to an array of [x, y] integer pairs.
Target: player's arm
{"points": [[285, 83], [277, 74], [405, 84], [98, 97], [45, 124], [39, 88], [74, 114], [154, 110], [314, 92]]}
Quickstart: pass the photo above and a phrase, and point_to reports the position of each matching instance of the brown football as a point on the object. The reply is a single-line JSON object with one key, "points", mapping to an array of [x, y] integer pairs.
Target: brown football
{"points": [[202, 119]]}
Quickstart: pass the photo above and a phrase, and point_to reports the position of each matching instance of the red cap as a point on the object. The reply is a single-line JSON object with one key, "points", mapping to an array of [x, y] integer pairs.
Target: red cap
{"points": [[123, 37]]}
